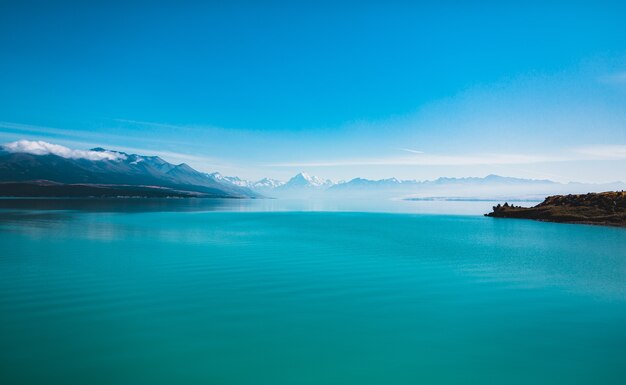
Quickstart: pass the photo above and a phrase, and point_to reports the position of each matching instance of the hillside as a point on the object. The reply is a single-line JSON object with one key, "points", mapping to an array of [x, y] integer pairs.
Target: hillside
{"points": [[37, 168], [606, 208]]}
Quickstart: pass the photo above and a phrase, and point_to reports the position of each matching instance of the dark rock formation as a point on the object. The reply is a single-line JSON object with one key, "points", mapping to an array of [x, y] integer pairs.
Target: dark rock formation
{"points": [[607, 208]]}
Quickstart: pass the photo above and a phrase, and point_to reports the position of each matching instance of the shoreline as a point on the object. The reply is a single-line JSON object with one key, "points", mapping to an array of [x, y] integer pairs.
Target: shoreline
{"points": [[602, 209]]}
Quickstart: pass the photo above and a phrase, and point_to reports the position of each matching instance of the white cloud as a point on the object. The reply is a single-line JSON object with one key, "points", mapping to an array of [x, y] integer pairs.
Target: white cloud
{"points": [[610, 151], [39, 147], [412, 151], [589, 153]]}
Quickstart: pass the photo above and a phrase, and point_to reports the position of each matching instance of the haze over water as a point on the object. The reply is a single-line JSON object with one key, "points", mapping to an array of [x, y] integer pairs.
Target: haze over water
{"points": [[273, 292]]}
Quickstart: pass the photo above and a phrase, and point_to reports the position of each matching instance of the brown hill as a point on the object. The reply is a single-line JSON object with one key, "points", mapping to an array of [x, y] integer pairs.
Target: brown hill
{"points": [[607, 208]]}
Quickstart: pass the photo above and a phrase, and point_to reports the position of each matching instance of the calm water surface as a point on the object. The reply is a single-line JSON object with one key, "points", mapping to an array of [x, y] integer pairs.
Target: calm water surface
{"points": [[283, 293]]}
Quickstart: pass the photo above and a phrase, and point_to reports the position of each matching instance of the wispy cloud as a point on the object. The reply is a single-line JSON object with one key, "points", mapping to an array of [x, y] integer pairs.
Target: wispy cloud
{"points": [[589, 153], [155, 124], [53, 132], [44, 148], [608, 152], [412, 151], [40, 147], [190, 130], [96, 139], [29, 128]]}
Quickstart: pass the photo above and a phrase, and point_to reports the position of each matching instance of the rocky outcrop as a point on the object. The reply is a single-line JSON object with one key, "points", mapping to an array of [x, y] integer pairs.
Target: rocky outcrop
{"points": [[607, 208]]}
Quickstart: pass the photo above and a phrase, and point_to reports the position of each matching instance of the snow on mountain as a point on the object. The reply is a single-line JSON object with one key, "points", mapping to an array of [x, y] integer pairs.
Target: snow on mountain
{"points": [[230, 179], [490, 179], [25, 161], [490, 186], [360, 183], [306, 185], [300, 182], [305, 180], [266, 183], [262, 184]]}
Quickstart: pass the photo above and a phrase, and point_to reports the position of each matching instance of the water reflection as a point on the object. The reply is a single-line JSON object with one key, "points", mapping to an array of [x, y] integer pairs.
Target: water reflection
{"points": [[124, 205], [33, 218], [139, 205]]}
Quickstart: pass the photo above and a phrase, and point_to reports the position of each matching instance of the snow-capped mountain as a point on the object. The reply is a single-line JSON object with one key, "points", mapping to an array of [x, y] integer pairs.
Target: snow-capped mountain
{"points": [[266, 184], [305, 180], [230, 179], [35, 165], [304, 185], [360, 183], [490, 179], [260, 185], [491, 186], [35, 161], [301, 183]]}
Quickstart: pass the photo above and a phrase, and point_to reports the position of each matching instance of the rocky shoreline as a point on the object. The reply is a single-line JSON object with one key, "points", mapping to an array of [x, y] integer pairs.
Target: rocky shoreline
{"points": [[606, 208]]}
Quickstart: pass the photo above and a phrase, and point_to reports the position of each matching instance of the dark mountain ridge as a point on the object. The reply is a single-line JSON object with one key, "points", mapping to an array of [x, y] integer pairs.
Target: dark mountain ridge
{"points": [[123, 170]]}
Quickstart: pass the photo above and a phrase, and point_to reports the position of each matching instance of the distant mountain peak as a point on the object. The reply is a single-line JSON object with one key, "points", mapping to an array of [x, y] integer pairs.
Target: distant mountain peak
{"points": [[266, 184], [26, 160], [234, 180], [304, 179]]}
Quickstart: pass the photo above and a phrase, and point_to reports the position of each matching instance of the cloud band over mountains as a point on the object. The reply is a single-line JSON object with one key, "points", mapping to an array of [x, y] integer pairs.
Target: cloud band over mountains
{"points": [[39, 147]]}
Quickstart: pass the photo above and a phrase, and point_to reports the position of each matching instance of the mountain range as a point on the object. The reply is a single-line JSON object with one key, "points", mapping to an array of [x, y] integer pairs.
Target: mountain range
{"points": [[489, 187], [43, 169], [128, 174]]}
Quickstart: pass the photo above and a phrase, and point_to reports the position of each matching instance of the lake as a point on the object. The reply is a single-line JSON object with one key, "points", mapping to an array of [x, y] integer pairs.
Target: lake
{"points": [[286, 292]]}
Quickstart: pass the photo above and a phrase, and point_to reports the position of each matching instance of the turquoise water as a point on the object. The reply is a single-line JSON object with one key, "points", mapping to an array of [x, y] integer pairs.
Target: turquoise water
{"points": [[245, 293]]}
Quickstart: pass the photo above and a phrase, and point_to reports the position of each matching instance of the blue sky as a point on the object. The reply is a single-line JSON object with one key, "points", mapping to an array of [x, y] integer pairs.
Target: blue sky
{"points": [[337, 89]]}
